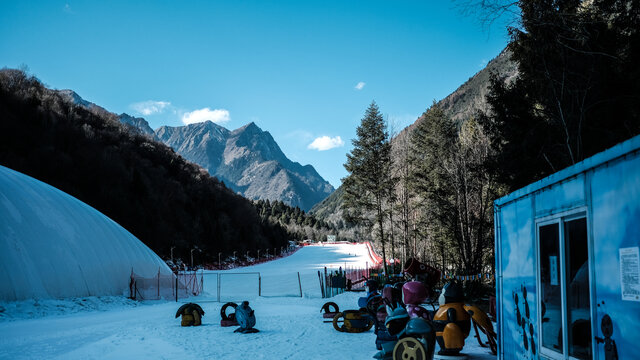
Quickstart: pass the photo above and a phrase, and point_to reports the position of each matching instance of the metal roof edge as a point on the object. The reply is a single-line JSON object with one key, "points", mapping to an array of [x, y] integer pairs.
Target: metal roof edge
{"points": [[596, 160]]}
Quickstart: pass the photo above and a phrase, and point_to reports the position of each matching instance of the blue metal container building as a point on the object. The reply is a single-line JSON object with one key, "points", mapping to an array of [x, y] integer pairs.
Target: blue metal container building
{"points": [[567, 263]]}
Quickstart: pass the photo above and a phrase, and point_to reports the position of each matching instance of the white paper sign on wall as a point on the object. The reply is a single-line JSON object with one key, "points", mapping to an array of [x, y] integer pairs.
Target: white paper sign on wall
{"points": [[630, 273], [553, 270]]}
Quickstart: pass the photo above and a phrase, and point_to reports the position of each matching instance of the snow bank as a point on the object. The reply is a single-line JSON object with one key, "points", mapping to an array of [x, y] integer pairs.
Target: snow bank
{"points": [[54, 246], [39, 308]]}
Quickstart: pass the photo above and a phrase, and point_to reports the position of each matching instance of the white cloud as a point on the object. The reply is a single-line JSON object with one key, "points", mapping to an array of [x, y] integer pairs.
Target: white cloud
{"points": [[360, 85], [323, 143], [150, 107], [215, 115]]}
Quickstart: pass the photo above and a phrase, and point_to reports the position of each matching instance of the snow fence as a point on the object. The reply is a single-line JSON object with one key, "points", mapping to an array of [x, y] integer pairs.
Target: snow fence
{"points": [[163, 286], [236, 286]]}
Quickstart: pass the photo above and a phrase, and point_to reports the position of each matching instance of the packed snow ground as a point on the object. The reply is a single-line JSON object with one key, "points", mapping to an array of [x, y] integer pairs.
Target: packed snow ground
{"points": [[118, 328]]}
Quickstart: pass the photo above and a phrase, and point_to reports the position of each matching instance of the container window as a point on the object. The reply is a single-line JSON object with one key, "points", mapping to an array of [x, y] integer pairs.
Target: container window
{"points": [[551, 292]]}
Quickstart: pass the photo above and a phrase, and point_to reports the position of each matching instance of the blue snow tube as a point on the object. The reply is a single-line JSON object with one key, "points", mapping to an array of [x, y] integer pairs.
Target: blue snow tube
{"points": [[246, 318]]}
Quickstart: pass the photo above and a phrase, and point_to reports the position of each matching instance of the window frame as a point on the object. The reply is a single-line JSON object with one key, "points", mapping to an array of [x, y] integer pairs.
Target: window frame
{"points": [[561, 218]]}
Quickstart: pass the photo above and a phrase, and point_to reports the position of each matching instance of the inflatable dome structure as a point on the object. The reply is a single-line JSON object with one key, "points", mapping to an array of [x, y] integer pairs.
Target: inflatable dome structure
{"points": [[52, 245]]}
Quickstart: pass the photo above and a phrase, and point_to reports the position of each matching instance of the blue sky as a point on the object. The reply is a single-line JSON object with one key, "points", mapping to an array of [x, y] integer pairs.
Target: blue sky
{"points": [[303, 70]]}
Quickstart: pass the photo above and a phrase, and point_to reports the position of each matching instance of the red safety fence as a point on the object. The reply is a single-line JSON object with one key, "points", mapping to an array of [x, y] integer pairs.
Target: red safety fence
{"points": [[372, 254]]}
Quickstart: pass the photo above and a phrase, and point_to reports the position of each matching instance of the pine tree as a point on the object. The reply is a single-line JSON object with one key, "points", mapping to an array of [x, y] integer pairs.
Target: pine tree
{"points": [[455, 191], [577, 91], [369, 180], [431, 148]]}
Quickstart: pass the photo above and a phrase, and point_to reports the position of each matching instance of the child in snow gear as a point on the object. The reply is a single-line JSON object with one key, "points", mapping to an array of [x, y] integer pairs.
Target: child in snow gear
{"points": [[191, 314], [228, 320], [246, 318]]}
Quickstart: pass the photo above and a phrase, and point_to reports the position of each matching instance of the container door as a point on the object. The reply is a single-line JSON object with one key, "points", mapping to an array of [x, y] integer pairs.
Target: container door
{"points": [[564, 301], [578, 303]]}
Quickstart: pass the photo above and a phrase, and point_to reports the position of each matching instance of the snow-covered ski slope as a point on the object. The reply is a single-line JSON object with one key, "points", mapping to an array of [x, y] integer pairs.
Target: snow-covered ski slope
{"points": [[52, 245], [116, 328], [280, 278]]}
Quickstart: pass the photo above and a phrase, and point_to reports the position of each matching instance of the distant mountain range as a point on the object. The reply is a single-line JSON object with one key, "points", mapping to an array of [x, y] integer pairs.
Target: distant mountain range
{"points": [[248, 160]]}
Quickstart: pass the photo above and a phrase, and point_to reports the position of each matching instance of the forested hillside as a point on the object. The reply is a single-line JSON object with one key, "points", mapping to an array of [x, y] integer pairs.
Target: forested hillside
{"points": [[300, 224], [143, 185]]}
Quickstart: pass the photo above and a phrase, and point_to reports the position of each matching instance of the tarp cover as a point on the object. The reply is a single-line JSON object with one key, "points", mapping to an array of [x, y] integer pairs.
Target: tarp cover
{"points": [[52, 245]]}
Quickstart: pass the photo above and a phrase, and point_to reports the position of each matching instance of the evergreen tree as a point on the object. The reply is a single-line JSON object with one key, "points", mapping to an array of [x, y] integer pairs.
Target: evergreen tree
{"points": [[577, 91], [431, 146], [369, 165], [454, 189]]}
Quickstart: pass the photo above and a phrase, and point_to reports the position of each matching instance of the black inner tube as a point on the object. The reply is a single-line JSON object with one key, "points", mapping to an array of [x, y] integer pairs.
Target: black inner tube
{"points": [[326, 307], [223, 311]]}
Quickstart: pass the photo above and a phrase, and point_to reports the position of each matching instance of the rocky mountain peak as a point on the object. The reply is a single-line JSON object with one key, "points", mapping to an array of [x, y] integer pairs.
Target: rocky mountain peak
{"points": [[249, 161]]}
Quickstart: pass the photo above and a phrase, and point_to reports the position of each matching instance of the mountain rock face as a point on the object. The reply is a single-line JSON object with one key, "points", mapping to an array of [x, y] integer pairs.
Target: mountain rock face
{"points": [[249, 161]]}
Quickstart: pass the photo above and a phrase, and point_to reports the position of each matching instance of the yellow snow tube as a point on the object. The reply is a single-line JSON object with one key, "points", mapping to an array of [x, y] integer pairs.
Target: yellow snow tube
{"points": [[354, 321], [192, 319]]}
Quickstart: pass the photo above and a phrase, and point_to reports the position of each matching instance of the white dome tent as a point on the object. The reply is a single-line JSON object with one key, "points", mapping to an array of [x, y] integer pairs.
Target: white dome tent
{"points": [[52, 245]]}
